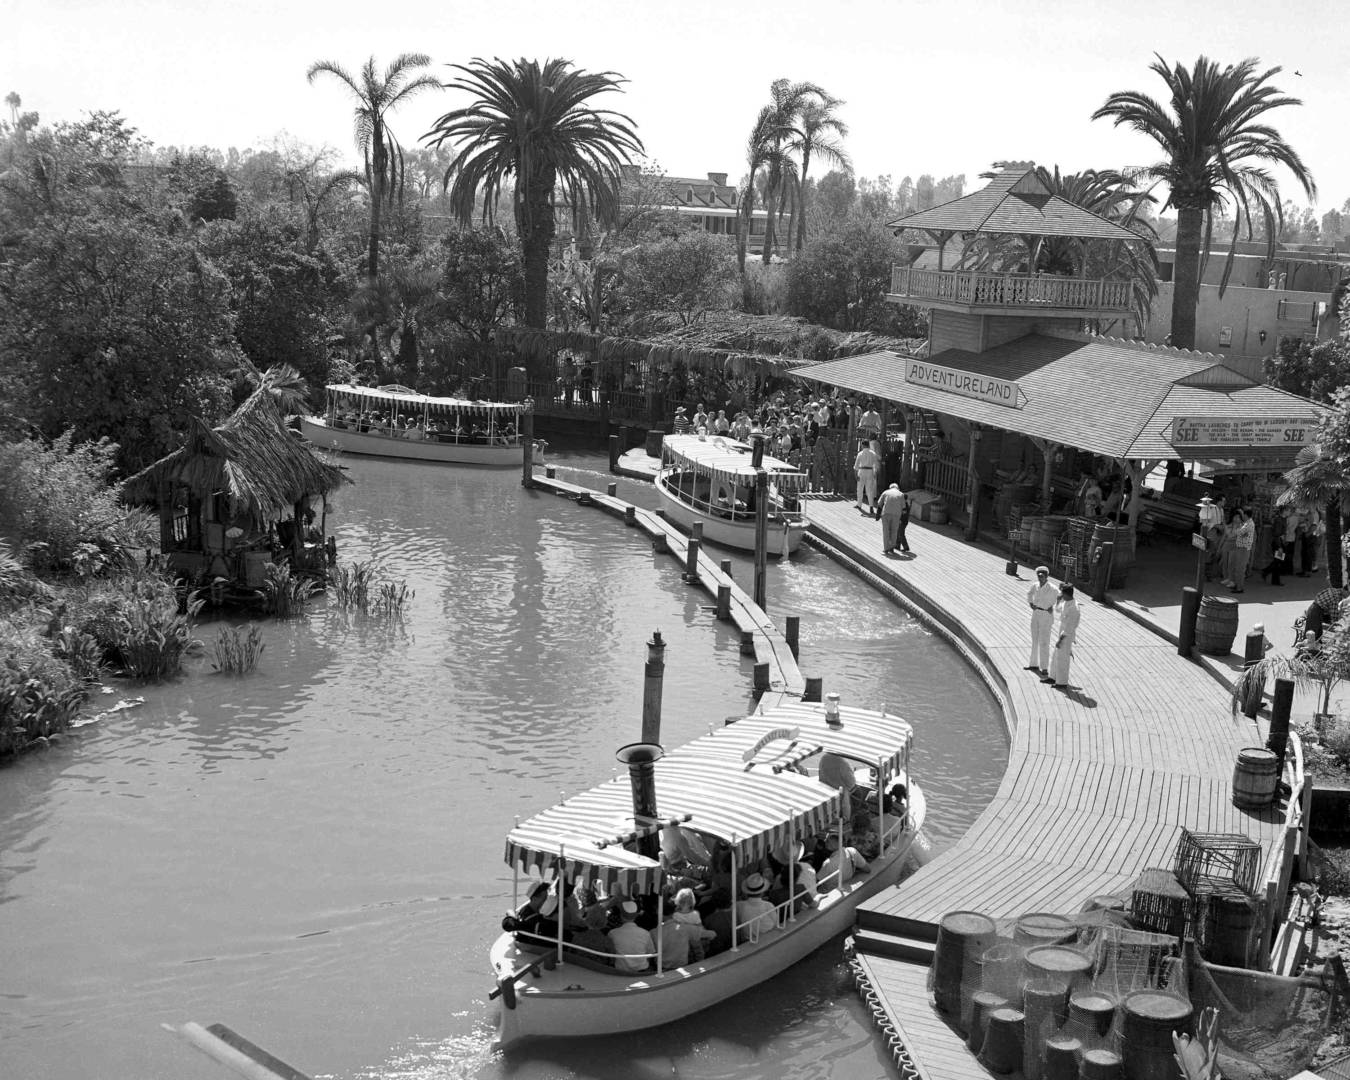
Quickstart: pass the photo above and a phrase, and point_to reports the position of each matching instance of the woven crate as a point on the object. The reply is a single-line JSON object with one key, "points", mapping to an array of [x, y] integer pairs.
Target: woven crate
{"points": [[1159, 903], [1217, 862]]}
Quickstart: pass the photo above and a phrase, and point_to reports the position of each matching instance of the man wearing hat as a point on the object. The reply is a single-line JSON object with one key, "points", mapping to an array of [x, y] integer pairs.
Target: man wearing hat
{"points": [[1041, 598], [681, 421], [632, 945], [755, 914], [841, 864], [894, 519], [1064, 639]]}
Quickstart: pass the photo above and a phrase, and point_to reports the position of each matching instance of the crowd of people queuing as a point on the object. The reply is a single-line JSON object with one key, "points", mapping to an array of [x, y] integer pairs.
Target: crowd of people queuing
{"points": [[698, 913], [1297, 534]]}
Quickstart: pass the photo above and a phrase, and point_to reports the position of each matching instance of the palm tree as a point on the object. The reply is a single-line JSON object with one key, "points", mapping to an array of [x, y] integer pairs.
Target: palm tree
{"points": [[789, 100], [1319, 479], [759, 147], [1216, 147], [534, 124], [817, 135], [376, 96]]}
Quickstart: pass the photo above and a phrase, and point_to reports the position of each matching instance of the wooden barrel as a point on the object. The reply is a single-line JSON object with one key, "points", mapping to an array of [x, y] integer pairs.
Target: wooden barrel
{"points": [[1229, 922], [1001, 970], [1148, 1018], [1043, 928], [655, 438], [1255, 777], [1122, 552], [1216, 626], [1059, 962], [960, 934], [1091, 1015], [1100, 1064], [1061, 1057], [982, 1007], [1002, 1049], [1053, 527], [1045, 1002]]}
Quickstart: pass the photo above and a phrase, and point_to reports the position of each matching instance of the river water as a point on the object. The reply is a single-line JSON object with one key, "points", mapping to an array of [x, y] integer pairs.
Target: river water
{"points": [[312, 854]]}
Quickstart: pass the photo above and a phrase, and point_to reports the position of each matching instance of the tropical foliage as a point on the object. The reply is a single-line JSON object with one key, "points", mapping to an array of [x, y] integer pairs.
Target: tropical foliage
{"points": [[1217, 146], [534, 125]]}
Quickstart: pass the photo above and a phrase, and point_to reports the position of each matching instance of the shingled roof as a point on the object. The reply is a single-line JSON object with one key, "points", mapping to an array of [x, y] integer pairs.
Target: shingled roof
{"points": [[1105, 395], [1015, 203]]}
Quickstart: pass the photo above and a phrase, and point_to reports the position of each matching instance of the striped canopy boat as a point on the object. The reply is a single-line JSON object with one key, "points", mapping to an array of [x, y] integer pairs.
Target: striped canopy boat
{"points": [[752, 785], [711, 479]]}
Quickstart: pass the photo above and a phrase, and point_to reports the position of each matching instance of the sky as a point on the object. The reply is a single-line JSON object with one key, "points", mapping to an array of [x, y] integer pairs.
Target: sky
{"points": [[930, 86]]}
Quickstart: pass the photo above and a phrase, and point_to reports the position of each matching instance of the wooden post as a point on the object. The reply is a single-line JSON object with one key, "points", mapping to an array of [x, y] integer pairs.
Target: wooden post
{"points": [[724, 602], [614, 453], [747, 643], [1282, 704], [653, 673], [1252, 651], [527, 445], [1101, 573], [630, 515], [1190, 608], [691, 561], [611, 490], [792, 633], [761, 677], [814, 686], [551, 471], [660, 544], [726, 568], [973, 482], [761, 521]]}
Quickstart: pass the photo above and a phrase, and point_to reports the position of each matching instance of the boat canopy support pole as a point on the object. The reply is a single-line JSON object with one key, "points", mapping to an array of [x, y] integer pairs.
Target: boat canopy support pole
{"points": [[735, 892]]}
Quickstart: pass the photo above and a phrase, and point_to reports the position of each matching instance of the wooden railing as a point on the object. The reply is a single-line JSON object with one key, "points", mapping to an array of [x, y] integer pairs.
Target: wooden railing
{"points": [[1294, 848], [981, 289]]}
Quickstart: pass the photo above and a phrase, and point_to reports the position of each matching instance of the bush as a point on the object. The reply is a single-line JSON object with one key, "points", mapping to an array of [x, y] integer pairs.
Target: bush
{"points": [[140, 626], [39, 695], [65, 516], [284, 592], [764, 288], [18, 585]]}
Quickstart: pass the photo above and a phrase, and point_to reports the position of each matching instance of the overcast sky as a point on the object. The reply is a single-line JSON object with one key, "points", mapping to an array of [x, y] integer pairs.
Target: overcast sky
{"points": [[936, 86]]}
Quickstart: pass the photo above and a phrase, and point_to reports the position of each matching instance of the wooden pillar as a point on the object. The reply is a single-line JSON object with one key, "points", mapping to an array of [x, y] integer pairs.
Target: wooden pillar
{"points": [[527, 446], [973, 482], [653, 675], [792, 633]]}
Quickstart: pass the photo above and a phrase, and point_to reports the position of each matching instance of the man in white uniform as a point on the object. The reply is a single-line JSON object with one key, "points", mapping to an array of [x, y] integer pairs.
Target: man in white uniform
{"points": [[865, 465], [1041, 598], [1068, 632]]}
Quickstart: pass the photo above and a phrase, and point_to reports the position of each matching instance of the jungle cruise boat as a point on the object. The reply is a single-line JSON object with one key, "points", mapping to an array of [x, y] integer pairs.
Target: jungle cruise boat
{"points": [[711, 478], [724, 813], [396, 422]]}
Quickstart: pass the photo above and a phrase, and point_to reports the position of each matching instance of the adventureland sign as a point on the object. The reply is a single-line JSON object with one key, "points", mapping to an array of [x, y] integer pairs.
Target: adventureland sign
{"points": [[1242, 431], [966, 383]]}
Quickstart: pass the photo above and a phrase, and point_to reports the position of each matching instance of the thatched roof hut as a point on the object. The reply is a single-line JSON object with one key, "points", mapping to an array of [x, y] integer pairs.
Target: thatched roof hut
{"points": [[253, 457]]}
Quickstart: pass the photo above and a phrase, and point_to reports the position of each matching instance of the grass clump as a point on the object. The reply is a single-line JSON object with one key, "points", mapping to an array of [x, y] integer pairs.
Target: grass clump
{"points": [[285, 594], [360, 587], [238, 649]]}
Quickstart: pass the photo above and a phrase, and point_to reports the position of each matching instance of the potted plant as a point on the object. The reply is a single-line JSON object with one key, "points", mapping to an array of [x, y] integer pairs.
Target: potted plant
{"points": [[1316, 664]]}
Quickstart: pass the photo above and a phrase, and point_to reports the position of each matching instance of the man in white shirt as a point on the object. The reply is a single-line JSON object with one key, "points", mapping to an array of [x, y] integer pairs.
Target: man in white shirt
{"points": [[633, 946], [865, 465], [839, 867], [755, 914], [1041, 598], [1068, 633], [869, 424]]}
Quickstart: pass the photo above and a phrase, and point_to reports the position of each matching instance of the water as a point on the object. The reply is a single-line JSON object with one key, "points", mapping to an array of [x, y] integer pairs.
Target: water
{"points": [[313, 854]]}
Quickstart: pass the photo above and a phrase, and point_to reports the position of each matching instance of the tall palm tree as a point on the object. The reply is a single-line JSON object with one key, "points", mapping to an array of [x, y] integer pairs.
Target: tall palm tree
{"points": [[818, 133], [759, 147], [376, 96], [1216, 145], [788, 101], [534, 124]]}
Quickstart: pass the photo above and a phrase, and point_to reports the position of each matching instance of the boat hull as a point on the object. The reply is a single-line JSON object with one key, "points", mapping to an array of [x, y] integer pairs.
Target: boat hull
{"points": [[351, 441], [570, 1000], [782, 536]]}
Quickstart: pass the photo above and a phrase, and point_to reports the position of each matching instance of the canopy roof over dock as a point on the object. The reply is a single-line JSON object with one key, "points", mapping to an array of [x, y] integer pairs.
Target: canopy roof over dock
{"points": [[401, 397], [1121, 399], [732, 784], [729, 461], [253, 457], [1015, 202]]}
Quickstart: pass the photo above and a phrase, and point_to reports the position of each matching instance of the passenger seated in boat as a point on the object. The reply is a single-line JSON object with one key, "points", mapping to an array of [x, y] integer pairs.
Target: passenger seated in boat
{"points": [[687, 915], [594, 937], [676, 939], [718, 921], [754, 913], [803, 878], [840, 865], [537, 919], [632, 945]]}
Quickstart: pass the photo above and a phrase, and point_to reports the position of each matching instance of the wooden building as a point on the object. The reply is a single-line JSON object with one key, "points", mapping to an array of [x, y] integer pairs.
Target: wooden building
{"points": [[236, 497]]}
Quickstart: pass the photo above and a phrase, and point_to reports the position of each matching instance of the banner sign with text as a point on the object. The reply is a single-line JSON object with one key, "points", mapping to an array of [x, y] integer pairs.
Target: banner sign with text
{"points": [[966, 383], [1242, 431]]}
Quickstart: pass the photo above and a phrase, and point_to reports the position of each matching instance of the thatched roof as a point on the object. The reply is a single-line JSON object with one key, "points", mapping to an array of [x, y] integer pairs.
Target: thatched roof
{"points": [[253, 456]]}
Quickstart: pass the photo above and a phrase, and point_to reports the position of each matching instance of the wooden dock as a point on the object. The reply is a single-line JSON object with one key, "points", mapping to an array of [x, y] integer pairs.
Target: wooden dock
{"points": [[760, 637], [1100, 781]]}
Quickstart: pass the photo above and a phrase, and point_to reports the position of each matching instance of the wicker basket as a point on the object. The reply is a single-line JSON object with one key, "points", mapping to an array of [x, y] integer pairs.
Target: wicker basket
{"points": [[1159, 903]]}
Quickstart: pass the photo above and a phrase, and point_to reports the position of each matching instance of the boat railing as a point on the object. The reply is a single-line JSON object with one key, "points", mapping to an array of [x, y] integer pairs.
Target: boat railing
{"points": [[416, 434], [738, 513]]}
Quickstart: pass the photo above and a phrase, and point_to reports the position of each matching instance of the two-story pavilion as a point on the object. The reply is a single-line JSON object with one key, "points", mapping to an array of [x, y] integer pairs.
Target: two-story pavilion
{"points": [[1016, 390]]}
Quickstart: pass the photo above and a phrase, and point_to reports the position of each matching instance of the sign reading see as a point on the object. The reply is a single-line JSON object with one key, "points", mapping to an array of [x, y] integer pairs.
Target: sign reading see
{"points": [[1242, 431], [966, 383]]}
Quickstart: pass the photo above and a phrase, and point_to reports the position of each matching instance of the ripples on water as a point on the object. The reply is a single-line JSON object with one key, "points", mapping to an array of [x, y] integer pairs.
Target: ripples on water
{"points": [[313, 854]]}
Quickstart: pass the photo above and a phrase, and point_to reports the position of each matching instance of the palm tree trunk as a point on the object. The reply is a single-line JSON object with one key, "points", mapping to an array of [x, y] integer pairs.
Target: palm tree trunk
{"points": [[535, 243], [1186, 276], [743, 223], [770, 204], [799, 211], [1332, 518]]}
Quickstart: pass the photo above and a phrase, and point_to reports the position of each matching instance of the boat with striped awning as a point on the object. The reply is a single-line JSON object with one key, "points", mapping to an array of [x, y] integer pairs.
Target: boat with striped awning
{"points": [[396, 422], [712, 479], [728, 807]]}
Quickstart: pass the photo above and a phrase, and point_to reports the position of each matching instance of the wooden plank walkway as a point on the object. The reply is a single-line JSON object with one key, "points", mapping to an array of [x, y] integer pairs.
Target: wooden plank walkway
{"points": [[1100, 780]]}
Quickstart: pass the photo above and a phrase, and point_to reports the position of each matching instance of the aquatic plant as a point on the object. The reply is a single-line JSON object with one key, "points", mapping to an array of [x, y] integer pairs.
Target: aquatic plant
{"points": [[238, 649], [152, 639], [391, 599], [360, 587], [39, 694], [285, 593]]}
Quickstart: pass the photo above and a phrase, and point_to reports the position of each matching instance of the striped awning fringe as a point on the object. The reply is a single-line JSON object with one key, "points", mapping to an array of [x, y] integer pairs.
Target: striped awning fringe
{"points": [[404, 398]]}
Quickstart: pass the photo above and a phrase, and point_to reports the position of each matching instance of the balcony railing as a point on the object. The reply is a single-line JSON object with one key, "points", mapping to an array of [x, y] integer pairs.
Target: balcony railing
{"points": [[977, 289]]}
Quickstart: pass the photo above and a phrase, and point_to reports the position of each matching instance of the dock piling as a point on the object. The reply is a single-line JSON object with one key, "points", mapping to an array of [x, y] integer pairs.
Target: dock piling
{"points": [[726, 568], [1282, 704], [747, 643], [761, 678], [653, 675], [614, 453], [791, 634], [630, 515], [1190, 609], [723, 602], [814, 685], [611, 489]]}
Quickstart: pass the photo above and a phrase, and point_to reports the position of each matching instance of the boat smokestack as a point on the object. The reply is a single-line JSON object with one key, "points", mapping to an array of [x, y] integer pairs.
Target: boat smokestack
{"points": [[641, 759], [653, 675]]}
